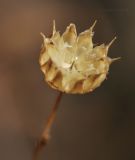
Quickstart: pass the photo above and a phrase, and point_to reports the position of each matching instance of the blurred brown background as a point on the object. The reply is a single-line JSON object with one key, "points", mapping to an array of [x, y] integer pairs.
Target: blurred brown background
{"points": [[95, 126]]}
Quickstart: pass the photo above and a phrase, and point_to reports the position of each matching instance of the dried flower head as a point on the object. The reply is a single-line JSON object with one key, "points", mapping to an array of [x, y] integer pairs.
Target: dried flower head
{"points": [[71, 63]]}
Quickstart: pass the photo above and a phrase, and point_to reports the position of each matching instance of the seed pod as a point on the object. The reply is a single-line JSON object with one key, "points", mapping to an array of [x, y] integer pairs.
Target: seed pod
{"points": [[71, 63]]}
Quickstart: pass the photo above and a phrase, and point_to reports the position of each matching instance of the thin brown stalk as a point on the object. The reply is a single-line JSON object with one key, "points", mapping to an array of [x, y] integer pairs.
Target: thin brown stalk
{"points": [[46, 132]]}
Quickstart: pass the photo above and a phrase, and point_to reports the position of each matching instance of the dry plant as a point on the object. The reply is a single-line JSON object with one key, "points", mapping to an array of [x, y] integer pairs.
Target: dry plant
{"points": [[71, 64]]}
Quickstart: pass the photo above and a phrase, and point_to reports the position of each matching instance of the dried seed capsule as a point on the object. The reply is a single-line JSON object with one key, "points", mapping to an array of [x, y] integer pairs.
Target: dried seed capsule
{"points": [[71, 64]]}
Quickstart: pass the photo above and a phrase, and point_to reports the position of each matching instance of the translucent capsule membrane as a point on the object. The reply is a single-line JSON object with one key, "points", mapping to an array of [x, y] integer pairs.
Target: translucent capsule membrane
{"points": [[71, 63]]}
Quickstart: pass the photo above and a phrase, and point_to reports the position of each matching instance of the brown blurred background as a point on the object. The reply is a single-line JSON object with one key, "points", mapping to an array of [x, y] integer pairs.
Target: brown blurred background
{"points": [[95, 126]]}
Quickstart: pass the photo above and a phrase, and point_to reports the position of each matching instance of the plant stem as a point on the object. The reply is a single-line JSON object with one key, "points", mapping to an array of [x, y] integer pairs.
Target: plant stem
{"points": [[46, 132]]}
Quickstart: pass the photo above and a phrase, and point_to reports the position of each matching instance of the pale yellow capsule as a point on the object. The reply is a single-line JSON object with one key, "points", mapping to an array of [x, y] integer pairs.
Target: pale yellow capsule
{"points": [[71, 63]]}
